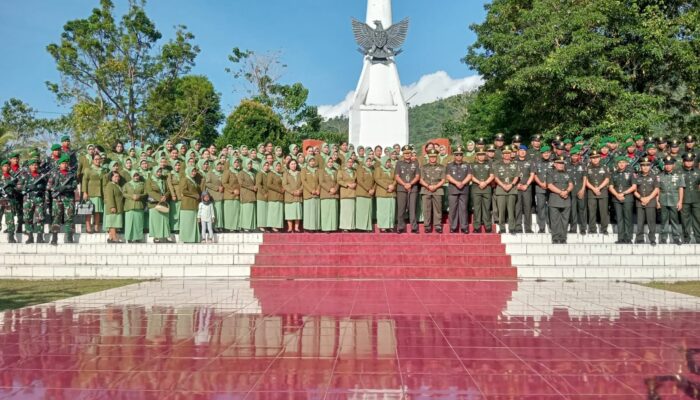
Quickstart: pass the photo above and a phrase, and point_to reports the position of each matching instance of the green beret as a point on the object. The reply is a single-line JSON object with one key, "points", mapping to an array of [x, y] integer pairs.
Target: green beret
{"points": [[14, 154], [575, 150], [64, 158], [604, 142], [638, 137], [545, 149], [650, 146], [567, 141], [630, 143], [621, 158], [578, 139], [33, 161], [4, 162], [55, 147], [65, 138]]}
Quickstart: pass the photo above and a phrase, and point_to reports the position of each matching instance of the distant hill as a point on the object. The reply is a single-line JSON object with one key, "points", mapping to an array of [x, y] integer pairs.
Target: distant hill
{"points": [[425, 121]]}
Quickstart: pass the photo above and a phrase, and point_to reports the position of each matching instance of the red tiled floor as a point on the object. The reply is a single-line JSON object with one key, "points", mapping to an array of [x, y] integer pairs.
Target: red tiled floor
{"points": [[268, 339]]}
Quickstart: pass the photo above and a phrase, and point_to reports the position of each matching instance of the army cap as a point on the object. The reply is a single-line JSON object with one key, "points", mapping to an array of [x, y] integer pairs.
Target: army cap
{"points": [[661, 139], [14, 154], [459, 151], [560, 160], [675, 143], [594, 154], [621, 158], [689, 157], [522, 147], [517, 139], [480, 152], [64, 158], [651, 145], [65, 138], [560, 146], [4, 162], [690, 139], [575, 150], [638, 137], [507, 150], [406, 149], [433, 153], [644, 161], [630, 143], [649, 139], [33, 161], [491, 148], [481, 141], [55, 147], [668, 160], [536, 138], [578, 139], [499, 137], [545, 149], [567, 141]]}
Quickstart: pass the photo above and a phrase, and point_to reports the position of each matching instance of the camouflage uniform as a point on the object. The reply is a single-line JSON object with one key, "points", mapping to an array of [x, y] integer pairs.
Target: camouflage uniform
{"points": [[8, 203], [61, 187], [35, 198]]}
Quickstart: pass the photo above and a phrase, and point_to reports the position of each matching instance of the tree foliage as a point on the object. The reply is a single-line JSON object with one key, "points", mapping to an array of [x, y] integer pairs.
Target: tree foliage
{"points": [[109, 67], [251, 123], [21, 129], [596, 66]]}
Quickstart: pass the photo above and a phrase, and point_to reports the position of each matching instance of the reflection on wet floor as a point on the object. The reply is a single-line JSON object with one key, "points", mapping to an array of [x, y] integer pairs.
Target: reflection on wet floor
{"points": [[351, 340]]}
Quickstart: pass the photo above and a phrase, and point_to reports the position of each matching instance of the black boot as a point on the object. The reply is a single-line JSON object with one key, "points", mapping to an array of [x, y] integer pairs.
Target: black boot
{"points": [[69, 238], [30, 238], [54, 239], [40, 238], [11, 238]]}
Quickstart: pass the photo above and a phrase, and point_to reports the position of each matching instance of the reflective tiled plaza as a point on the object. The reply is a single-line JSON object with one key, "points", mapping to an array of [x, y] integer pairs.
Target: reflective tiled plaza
{"points": [[353, 340]]}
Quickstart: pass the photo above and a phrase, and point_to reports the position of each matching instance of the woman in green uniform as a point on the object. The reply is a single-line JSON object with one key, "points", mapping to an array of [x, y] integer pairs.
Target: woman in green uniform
{"points": [[364, 195], [386, 195], [275, 197], [158, 193], [232, 196], [92, 186], [312, 191], [214, 185], [328, 182], [261, 195], [174, 178], [114, 207], [246, 179], [189, 231], [347, 179], [293, 196], [134, 197]]}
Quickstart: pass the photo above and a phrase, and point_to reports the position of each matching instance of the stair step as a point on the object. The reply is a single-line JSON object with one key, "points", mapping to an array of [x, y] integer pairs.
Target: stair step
{"points": [[381, 272], [377, 249], [51, 260], [384, 259], [124, 271], [101, 238]]}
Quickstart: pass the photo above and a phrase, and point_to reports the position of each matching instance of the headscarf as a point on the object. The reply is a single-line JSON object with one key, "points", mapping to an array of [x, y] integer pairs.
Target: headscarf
{"points": [[383, 163], [292, 147], [274, 168], [158, 181], [311, 169], [132, 182], [188, 174], [251, 171]]}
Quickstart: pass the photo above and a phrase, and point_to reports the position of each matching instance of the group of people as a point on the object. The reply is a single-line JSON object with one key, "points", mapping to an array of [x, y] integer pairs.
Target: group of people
{"points": [[572, 186]]}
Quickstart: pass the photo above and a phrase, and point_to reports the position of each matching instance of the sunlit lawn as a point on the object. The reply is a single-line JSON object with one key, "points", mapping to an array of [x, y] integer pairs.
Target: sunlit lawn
{"points": [[16, 293], [689, 287]]}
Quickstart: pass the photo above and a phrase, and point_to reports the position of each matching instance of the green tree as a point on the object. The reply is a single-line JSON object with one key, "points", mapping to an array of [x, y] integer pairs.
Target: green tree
{"points": [[597, 66], [185, 107], [21, 129], [110, 66], [252, 123]]}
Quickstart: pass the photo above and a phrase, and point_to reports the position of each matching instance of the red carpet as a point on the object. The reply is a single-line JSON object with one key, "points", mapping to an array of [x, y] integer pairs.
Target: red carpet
{"points": [[382, 255]]}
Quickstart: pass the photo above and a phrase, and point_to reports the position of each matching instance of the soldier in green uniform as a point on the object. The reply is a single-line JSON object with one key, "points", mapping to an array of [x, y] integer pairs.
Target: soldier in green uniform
{"points": [[647, 185], [32, 185], [407, 175], [690, 213], [506, 174], [597, 180], [432, 178], [689, 144], [560, 185], [577, 169], [535, 146], [542, 167], [622, 187], [458, 174], [498, 144], [523, 206], [8, 203], [61, 185], [671, 186], [482, 176]]}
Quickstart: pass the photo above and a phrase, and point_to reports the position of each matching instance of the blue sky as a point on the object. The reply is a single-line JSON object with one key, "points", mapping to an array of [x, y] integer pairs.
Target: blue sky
{"points": [[314, 37]]}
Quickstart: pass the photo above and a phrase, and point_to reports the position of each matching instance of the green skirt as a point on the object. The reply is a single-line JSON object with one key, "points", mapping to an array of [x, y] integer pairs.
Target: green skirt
{"points": [[386, 212], [189, 231], [261, 209], [158, 224], [174, 215], [292, 211], [133, 225], [248, 214], [219, 214], [232, 213], [329, 215], [363, 213], [114, 221], [347, 214], [275, 214], [312, 214], [99, 204]]}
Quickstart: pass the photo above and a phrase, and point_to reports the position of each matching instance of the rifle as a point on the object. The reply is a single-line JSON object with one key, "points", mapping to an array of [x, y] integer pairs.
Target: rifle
{"points": [[10, 183], [32, 187], [59, 189]]}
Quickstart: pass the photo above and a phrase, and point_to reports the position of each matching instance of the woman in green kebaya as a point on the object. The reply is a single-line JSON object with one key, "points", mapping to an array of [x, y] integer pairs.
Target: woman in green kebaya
{"points": [[158, 193], [134, 201], [189, 231], [246, 178], [293, 197], [275, 197], [328, 182], [311, 194]]}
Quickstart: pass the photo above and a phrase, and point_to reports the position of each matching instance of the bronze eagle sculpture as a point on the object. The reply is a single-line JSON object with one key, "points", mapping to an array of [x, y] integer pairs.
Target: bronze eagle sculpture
{"points": [[378, 43]]}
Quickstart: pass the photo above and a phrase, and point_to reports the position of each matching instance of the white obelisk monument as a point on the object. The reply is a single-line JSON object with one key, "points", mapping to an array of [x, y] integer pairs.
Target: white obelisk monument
{"points": [[379, 115]]}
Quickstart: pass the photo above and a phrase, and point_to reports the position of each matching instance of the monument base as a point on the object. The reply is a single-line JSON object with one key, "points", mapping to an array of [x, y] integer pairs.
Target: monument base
{"points": [[372, 125]]}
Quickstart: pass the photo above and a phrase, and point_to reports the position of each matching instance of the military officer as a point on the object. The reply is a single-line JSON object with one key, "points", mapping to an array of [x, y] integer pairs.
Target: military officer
{"points": [[482, 176], [407, 176], [671, 187], [498, 143], [622, 187], [690, 213], [647, 185], [61, 185], [560, 184], [597, 180], [542, 168], [8, 195], [523, 206], [689, 144], [32, 184], [535, 146], [577, 170], [458, 174], [432, 178], [506, 175]]}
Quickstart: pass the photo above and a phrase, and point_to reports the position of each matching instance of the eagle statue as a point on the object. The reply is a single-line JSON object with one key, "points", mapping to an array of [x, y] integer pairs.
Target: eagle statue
{"points": [[378, 43]]}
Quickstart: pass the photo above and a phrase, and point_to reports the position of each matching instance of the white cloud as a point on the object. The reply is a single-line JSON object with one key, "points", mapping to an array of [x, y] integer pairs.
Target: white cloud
{"points": [[428, 89]]}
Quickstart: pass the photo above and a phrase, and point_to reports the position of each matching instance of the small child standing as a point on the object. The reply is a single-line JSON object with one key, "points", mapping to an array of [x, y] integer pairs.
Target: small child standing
{"points": [[206, 217]]}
